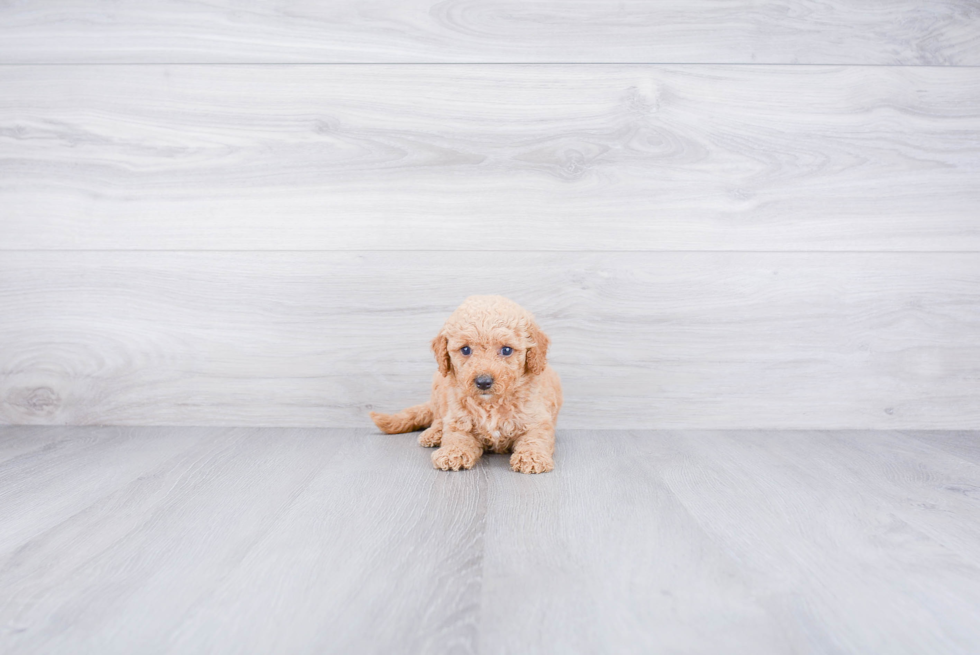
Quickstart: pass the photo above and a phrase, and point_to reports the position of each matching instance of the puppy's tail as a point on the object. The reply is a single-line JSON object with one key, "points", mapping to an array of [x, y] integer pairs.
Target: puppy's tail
{"points": [[407, 420]]}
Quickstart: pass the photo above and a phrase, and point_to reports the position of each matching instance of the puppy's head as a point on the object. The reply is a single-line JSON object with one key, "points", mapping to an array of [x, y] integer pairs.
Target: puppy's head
{"points": [[489, 345]]}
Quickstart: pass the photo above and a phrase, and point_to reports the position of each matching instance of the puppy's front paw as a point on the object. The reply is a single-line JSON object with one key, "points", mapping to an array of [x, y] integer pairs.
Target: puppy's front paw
{"points": [[529, 461], [449, 457], [430, 438]]}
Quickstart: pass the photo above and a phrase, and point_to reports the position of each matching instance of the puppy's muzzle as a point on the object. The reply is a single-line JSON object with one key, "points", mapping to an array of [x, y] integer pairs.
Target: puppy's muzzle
{"points": [[483, 382]]}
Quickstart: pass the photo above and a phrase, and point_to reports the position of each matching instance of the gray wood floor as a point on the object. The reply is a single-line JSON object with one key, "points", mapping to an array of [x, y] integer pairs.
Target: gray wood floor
{"points": [[123, 540]]}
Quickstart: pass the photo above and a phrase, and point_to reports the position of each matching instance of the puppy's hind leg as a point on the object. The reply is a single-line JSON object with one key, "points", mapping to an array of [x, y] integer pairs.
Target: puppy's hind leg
{"points": [[432, 436]]}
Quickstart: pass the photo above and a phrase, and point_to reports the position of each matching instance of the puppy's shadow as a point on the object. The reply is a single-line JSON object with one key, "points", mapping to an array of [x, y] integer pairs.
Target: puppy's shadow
{"points": [[496, 462], [543, 489]]}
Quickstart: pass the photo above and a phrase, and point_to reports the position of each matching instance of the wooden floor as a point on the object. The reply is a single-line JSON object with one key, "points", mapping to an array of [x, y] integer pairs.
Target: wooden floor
{"points": [[254, 540]]}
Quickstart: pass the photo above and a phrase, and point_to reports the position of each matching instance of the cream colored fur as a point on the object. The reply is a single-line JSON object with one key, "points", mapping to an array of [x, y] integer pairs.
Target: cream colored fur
{"points": [[517, 414]]}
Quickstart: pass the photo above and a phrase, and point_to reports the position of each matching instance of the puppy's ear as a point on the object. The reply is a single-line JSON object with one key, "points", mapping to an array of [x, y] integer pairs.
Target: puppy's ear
{"points": [[537, 355], [440, 346]]}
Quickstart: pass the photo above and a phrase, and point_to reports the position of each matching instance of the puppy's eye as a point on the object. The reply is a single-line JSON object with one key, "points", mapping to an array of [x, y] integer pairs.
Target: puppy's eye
{"points": [[506, 351], [465, 350]]}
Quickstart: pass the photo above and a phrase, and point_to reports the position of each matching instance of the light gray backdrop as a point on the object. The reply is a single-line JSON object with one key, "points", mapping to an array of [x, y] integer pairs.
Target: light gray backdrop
{"points": [[727, 215]]}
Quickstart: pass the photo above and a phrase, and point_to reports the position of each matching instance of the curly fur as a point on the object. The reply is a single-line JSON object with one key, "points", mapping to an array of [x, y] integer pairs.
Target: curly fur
{"points": [[516, 414]]}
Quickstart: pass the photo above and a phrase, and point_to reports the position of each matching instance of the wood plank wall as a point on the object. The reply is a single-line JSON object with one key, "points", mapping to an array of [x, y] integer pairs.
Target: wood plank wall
{"points": [[726, 214]]}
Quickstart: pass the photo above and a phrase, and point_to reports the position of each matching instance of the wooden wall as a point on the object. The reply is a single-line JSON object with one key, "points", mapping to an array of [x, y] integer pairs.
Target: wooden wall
{"points": [[726, 214]]}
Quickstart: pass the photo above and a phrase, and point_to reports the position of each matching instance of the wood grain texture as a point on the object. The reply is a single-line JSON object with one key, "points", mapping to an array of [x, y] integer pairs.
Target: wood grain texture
{"points": [[736, 542], [707, 340], [963, 444], [267, 515], [489, 158], [313, 541], [940, 32], [75, 471], [770, 499], [17, 442]]}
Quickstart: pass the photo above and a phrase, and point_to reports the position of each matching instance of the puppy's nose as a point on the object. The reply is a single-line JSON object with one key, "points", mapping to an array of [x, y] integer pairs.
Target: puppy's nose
{"points": [[484, 382]]}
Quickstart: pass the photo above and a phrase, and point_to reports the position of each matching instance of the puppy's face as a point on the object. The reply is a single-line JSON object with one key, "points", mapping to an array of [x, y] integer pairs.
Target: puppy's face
{"points": [[489, 345], [486, 366]]}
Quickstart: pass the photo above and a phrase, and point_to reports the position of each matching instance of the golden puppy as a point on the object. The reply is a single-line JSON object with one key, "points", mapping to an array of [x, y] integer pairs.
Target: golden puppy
{"points": [[494, 390]]}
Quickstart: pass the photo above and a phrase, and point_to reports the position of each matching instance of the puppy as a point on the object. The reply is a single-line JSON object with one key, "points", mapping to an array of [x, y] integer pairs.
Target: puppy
{"points": [[494, 390]]}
